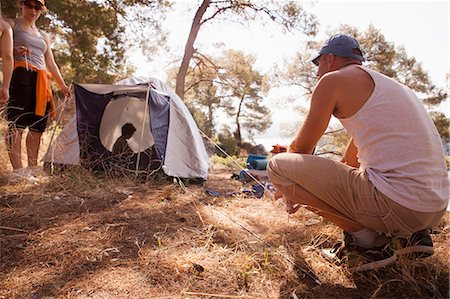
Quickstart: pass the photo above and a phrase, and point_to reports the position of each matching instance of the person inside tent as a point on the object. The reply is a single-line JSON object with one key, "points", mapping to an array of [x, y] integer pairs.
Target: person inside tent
{"points": [[121, 147], [30, 100], [125, 156], [7, 60], [392, 184]]}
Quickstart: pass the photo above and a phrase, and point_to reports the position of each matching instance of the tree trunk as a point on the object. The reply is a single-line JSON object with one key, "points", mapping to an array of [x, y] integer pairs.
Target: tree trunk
{"points": [[189, 48], [238, 135], [210, 121]]}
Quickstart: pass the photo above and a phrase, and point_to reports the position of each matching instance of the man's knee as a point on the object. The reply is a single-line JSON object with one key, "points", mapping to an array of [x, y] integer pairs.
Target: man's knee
{"points": [[281, 167], [276, 163]]}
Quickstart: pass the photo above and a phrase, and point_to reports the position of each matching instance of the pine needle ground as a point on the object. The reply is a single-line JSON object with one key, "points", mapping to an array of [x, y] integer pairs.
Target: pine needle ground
{"points": [[79, 236]]}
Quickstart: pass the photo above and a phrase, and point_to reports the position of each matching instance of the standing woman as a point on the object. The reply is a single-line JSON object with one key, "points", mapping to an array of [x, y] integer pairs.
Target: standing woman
{"points": [[31, 100], [7, 60]]}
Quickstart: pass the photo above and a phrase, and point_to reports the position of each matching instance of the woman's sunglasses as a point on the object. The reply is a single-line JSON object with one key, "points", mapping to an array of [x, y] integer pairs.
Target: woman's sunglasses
{"points": [[31, 5]]}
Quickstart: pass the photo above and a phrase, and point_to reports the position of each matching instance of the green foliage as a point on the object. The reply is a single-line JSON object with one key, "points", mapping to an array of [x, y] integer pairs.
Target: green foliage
{"points": [[242, 89], [90, 37], [200, 118], [227, 143], [200, 98], [442, 124], [228, 83], [290, 15], [299, 71], [230, 161], [202, 90]]}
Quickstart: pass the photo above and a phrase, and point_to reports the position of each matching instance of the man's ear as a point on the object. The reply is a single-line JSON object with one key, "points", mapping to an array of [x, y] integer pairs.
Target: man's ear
{"points": [[330, 60]]}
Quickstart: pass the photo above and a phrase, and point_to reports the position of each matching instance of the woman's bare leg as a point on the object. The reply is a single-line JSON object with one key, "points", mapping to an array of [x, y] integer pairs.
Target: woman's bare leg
{"points": [[33, 143], [13, 142]]}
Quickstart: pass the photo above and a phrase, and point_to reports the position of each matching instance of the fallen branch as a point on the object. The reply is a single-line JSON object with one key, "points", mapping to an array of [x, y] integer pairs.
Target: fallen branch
{"points": [[14, 229]]}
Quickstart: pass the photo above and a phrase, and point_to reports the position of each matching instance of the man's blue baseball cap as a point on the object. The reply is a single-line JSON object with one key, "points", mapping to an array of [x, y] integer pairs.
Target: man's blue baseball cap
{"points": [[341, 45]]}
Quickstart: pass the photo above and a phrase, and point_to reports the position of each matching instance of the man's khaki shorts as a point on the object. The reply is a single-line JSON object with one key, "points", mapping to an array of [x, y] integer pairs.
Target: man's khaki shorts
{"points": [[350, 192]]}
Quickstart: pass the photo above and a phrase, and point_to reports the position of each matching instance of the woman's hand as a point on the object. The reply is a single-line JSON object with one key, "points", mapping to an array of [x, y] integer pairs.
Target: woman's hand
{"points": [[21, 50], [4, 96], [65, 90]]}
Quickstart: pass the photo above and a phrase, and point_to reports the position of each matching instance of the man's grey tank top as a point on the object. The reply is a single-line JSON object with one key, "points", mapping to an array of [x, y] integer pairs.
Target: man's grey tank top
{"points": [[36, 44]]}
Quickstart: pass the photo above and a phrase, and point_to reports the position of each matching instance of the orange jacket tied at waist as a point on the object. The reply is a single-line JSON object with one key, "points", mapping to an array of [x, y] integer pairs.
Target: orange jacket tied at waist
{"points": [[43, 91]]}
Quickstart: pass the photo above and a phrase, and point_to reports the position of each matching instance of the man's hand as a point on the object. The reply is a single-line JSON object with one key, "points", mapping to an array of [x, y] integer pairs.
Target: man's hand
{"points": [[291, 207], [278, 194], [291, 148]]}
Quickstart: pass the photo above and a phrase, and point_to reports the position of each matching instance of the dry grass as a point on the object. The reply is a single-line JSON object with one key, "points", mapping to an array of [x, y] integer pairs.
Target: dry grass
{"points": [[79, 236]]}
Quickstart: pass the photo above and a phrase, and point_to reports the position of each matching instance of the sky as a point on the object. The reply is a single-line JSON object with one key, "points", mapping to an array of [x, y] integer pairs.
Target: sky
{"points": [[422, 27]]}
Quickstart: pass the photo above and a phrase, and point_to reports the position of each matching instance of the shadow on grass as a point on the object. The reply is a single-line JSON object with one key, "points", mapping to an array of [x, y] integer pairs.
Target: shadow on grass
{"points": [[407, 278], [70, 236], [57, 237], [422, 278]]}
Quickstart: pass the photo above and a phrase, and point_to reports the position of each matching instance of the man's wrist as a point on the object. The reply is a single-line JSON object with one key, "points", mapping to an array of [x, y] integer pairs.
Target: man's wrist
{"points": [[291, 148]]}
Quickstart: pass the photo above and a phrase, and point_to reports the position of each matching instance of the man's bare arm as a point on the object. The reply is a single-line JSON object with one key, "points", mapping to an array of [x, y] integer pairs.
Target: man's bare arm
{"points": [[322, 106]]}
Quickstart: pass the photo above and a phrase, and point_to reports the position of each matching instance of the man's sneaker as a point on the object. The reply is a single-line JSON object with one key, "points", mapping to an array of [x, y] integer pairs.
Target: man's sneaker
{"points": [[360, 259], [22, 175], [336, 254], [418, 245]]}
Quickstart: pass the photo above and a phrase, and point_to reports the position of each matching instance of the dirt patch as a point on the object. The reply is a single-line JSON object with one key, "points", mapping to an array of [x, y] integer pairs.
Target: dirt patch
{"points": [[79, 236]]}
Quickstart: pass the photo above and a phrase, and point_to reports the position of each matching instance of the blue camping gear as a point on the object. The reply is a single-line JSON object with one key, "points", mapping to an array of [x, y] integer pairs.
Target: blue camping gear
{"points": [[256, 168]]}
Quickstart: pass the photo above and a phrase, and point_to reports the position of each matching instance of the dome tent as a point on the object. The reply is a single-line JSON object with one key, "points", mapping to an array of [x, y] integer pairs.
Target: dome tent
{"points": [[163, 130]]}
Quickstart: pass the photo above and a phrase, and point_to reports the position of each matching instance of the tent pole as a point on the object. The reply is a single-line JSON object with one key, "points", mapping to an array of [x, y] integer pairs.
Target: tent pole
{"points": [[142, 129]]}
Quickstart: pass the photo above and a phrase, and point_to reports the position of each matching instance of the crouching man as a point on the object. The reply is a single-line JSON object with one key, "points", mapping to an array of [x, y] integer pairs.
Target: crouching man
{"points": [[392, 183]]}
